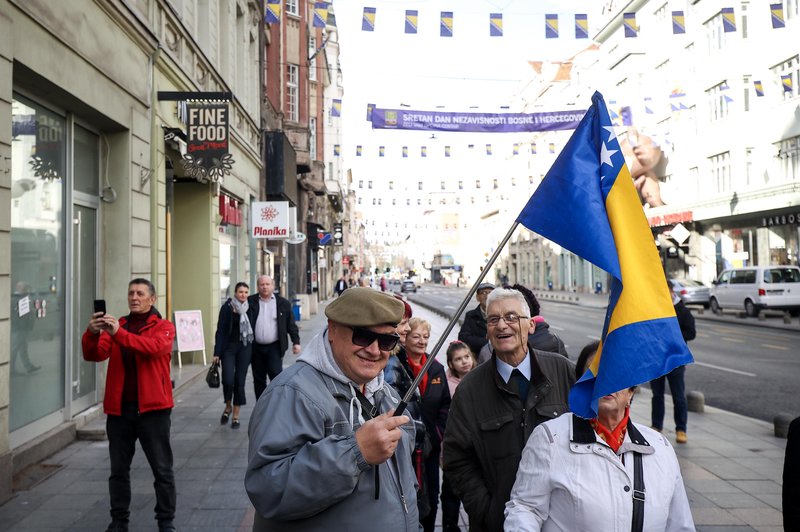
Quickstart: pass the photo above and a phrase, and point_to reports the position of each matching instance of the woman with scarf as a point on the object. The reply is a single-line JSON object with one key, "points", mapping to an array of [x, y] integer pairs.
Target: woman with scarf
{"points": [[587, 474], [434, 404], [233, 344]]}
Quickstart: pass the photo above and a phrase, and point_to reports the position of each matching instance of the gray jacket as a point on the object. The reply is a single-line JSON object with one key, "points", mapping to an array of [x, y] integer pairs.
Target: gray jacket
{"points": [[305, 469]]}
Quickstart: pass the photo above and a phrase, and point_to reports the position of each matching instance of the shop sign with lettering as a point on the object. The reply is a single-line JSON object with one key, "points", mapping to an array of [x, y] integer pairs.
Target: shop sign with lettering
{"points": [[271, 220], [207, 158], [780, 219], [670, 219]]}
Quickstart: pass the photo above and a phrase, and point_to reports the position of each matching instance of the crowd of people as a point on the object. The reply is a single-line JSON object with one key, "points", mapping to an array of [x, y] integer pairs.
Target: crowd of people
{"points": [[328, 448]]}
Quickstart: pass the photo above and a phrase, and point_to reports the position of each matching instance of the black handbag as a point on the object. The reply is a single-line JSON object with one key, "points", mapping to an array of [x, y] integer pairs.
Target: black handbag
{"points": [[212, 377]]}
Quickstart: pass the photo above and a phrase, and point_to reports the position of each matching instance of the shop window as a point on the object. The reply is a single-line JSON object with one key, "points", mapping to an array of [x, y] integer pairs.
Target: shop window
{"points": [[38, 262]]}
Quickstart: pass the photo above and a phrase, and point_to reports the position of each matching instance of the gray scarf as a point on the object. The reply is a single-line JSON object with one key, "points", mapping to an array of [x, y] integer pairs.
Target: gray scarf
{"points": [[245, 330]]}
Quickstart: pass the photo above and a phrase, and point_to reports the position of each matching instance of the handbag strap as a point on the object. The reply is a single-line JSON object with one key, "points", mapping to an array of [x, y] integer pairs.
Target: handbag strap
{"points": [[638, 494]]}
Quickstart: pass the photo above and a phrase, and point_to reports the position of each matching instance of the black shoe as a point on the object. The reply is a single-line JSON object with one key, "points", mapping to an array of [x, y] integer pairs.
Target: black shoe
{"points": [[166, 527], [235, 423], [117, 526], [225, 415]]}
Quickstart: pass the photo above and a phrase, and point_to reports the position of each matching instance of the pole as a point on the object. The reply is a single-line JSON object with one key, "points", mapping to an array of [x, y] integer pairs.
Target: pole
{"points": [[402, 405]]}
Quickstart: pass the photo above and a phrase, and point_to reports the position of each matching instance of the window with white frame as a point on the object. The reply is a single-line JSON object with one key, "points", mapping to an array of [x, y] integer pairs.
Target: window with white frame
{"points": [[716, 38], [791, 9], [791, 68], [312, 63], [719, 99], [721, 171], [789, 158], [291, 7], [292, 94], [312, 138]]}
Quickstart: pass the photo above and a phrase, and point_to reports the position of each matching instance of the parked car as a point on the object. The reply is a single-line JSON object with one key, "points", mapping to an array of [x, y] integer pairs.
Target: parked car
{"points": [[691, 292], [408, 286], [756, 288]]}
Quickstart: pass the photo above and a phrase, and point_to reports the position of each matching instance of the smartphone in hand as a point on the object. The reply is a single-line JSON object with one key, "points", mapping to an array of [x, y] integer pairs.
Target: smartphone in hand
{"points": [[100, 306]]}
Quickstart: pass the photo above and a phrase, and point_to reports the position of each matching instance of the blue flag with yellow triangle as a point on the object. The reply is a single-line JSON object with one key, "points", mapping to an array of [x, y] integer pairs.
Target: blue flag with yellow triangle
{"points": [[587, 203]]}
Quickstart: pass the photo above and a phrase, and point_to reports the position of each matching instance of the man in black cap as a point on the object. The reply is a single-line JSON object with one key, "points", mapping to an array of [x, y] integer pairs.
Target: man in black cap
{"points": [[325, 452], [473, 331]]}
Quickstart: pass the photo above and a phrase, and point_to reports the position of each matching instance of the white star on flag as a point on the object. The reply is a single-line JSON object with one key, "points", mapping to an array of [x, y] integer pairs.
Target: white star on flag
{"points": [[611, 133], [605, 155]]}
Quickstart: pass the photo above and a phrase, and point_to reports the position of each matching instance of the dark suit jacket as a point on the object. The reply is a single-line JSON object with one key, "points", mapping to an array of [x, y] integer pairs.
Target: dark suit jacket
{"points": [[286, 323]]}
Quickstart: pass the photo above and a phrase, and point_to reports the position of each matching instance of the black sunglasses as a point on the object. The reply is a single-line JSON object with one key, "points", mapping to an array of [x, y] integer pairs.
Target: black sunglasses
{"points": [[364, 338]]}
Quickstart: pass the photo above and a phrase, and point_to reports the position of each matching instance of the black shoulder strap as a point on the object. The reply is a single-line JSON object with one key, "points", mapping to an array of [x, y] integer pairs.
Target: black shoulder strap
{"points": [[638, 494], [367, 409]]}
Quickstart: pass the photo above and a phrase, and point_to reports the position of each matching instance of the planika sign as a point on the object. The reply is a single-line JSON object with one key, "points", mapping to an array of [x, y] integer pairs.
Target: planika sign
{"points": [[270, 220]]}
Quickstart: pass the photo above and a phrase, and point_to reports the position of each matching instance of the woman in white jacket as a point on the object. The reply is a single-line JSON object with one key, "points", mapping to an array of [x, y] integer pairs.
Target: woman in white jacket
{"points": [[578, 475]]}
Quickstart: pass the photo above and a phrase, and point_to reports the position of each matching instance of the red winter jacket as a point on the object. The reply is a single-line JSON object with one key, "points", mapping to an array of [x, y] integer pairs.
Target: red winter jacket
{"points": [[153, 350]]}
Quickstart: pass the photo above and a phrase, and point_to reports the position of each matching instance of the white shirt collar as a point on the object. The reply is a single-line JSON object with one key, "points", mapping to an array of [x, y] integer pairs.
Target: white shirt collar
{"points": [[505, 369]]}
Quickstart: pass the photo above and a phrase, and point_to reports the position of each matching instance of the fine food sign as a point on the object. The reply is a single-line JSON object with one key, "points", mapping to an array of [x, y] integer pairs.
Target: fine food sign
{"points": [[207, 157]]}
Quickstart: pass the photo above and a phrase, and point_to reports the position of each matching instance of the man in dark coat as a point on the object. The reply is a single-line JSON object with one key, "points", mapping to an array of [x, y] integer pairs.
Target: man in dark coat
{"points": [[272, 321], [473, 331], [496, 408]]}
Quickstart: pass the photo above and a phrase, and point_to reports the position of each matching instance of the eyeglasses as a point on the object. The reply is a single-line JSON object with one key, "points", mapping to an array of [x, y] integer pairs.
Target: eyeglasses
{"points": [[364, 338], [510, 318]]}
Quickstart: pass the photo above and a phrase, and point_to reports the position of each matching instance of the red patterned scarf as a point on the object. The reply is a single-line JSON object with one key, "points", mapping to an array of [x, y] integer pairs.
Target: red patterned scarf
{"points": [[613, 438]]}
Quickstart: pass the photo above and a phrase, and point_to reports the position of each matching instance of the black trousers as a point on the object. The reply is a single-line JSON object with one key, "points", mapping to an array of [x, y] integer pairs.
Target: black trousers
{"points": [[451, 506], [432, 479], [235, 362], [267, 360], [152, 431]]}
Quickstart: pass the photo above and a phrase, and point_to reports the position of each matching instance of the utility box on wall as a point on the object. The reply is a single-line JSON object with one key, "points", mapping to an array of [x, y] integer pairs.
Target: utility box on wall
{"points": [[280, 167]]}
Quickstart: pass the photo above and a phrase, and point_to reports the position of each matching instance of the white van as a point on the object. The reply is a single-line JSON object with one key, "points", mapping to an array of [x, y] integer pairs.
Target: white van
{"points": [[756, 288]]}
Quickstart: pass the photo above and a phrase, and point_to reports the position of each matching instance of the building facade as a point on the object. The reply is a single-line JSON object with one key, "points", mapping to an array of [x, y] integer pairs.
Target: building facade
{"points": [[721, 99], [94, 193]]}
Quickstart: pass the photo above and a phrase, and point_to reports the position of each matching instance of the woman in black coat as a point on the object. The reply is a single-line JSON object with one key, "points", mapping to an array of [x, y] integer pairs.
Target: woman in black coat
{"points": [[233, 345], [435, 404]]}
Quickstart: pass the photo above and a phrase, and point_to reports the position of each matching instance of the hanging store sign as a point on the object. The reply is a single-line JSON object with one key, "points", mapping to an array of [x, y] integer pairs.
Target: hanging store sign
{"points": [[475, 122], [270, 220], [207, 158]]}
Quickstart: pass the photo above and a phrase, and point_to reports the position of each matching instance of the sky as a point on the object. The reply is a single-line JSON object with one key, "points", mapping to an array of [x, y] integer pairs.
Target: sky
{"points": [[469, 72]]}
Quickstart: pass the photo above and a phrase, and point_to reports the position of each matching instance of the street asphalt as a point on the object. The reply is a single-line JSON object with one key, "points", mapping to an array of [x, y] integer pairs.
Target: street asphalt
{"points": [[732, 465]]}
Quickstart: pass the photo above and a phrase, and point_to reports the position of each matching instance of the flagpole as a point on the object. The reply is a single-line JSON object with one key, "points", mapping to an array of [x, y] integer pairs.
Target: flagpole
{"points": [[410, 393]]}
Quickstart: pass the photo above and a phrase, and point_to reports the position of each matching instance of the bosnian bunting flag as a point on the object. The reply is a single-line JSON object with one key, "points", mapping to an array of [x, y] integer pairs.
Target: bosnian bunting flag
{"points": [[587, 204]]}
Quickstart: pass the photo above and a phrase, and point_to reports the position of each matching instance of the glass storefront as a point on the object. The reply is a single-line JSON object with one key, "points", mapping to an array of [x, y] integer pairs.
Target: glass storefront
{"points": [[38, 262], [228, 263], [55, 170]]}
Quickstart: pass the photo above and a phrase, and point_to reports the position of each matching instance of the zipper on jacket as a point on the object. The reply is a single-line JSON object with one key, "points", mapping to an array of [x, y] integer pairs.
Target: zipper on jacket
{"points": [[403, 500]]}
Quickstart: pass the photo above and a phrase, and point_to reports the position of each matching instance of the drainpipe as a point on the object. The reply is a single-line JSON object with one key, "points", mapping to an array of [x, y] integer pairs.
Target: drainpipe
{"points": [[155, 135]]}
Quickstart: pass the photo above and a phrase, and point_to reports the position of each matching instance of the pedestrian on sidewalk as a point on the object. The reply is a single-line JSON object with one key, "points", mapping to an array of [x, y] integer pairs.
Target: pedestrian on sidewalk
{"points": [[576, 473], [137, 402], [325, 451], [233, 346], [460, 361], [434, 403], [791, 479], [473, 331], [272, 320], [677, 387], [496, 408], [341, 286]]}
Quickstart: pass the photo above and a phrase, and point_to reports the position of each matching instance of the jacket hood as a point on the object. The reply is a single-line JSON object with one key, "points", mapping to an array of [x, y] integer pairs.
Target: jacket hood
{"points": [[318, 354]]}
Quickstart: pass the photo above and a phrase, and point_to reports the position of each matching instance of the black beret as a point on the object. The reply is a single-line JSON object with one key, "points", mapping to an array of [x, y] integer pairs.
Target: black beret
{"points": [[365, 307]]}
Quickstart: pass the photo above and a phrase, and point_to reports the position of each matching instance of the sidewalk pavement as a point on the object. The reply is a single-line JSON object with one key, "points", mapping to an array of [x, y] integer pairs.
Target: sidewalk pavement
{"points": [[732, 468]]}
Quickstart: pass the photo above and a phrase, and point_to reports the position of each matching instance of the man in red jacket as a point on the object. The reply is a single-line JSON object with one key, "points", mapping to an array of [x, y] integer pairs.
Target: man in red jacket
{"points": [[138, 398]]}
